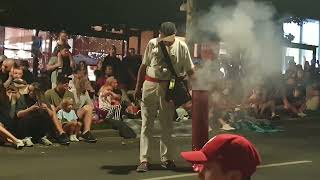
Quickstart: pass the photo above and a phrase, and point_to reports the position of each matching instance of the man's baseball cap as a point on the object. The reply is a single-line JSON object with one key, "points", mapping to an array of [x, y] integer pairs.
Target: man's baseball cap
{"points": [[232, 152], [63, 78]]}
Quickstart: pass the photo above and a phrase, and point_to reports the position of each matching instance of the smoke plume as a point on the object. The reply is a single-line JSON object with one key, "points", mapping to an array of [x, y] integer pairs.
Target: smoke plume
{"points": [[247, 28]]}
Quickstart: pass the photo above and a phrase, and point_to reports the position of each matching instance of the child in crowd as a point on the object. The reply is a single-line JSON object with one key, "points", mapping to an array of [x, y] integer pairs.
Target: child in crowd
{"points": [[110, 102], [17, 81], [68, 117]]}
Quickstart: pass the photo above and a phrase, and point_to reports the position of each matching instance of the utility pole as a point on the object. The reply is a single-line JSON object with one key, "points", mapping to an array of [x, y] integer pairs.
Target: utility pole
{"points": [[191, 8]]}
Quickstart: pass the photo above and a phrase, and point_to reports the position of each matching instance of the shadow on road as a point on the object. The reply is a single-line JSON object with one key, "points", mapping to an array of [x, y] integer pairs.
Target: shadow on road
{"points": [[127, 169]]}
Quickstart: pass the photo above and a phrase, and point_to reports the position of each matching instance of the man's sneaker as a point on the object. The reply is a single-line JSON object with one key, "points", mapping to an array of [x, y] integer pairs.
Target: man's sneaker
{"points": [[27, 142], [45, 141], [227, 127], [143, 167], [73, 138], [88, 137], [169, 164], [302, 115], [19, 144], [63, 139]]}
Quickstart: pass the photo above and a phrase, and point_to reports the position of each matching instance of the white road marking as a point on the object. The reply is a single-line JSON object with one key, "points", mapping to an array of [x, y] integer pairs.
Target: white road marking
{"points": [[262, 166], [284, 164]]}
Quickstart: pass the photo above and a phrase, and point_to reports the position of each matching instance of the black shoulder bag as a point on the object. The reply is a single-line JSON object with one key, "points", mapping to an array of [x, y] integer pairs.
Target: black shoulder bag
{"points": [[177, 88]]}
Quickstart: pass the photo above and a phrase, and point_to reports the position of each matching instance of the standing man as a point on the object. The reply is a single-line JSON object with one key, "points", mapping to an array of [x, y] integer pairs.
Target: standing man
{"points": [[152, 83], [225, 157]]}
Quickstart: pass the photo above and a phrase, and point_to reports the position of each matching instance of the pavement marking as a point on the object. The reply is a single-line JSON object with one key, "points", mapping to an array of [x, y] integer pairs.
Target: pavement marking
{"points": [[284, 164], [261, 166]]}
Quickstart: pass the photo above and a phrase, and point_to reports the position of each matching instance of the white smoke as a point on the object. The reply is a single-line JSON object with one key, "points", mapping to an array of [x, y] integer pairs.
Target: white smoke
{"points": [[245, 27]]}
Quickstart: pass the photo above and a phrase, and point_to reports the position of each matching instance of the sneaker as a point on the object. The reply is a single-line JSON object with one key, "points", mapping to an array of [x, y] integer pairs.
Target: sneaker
{"points": [[227, 127], [275, 117], [88, 137], [169, 164], [302, 115], [73, 138], [45, 141], [143, 167], [19, 144], [63, 139], [27, 142]]}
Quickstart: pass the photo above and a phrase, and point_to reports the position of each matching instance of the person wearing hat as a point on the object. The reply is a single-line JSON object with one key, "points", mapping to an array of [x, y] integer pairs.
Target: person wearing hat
{"points": [[225, 157], [152, 83], [84, 111]]}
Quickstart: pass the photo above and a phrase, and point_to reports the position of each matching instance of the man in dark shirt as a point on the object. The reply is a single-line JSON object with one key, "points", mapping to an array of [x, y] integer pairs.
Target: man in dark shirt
{"points": [[131, 64], [117, 65]]}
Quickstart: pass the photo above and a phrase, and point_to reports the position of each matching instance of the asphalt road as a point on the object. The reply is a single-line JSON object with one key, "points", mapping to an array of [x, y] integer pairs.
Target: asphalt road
{"points": [[110, 159]]}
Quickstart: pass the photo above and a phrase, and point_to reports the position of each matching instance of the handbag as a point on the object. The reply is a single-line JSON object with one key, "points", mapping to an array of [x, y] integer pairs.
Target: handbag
{"points": [[177, 90]]}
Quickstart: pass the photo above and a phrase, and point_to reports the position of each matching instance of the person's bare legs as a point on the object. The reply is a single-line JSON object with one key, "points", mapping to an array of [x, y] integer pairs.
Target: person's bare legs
{"points": [[7, 136], [85, 114], [270, 104], [57, 123]]}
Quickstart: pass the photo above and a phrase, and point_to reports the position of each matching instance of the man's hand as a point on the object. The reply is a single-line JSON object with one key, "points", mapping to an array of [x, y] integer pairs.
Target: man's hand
{"points": [[137, 94]]}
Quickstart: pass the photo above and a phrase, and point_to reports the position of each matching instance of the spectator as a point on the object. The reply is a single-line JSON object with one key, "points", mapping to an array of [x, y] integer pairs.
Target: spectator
{"points": [[6, 122], [117, 66], [131, 64], [68, 118], [294, 99], [5, 75], [17, 81], [6, 136], [83, 67], [220, 109], [62, 43], [259, 102], [110, 102], [2, 58], [77, 76], [84, 113], [36, 118], [63, 63], [107, 72], [225, 157], [313, 97], [27, 74], [98, 72]]}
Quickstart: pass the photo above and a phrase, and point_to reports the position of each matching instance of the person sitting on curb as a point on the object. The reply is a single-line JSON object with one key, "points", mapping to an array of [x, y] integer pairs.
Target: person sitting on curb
{"points": [[84, 111], [225, 157]]}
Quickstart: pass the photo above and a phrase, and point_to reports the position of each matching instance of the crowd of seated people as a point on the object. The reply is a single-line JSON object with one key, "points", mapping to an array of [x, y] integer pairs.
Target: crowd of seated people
{"points": [[293, 94], [66, 111], [32, 113]]}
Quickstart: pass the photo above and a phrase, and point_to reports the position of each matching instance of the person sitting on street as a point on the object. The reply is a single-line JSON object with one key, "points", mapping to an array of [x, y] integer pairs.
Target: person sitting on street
{"points": [[110, 102], [294, 99], [6, 121], [260, 103], [84, 113], [220, 107], [36, 118], [68, 118]]}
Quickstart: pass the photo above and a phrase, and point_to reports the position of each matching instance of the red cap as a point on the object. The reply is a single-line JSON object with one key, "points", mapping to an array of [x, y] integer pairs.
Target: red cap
{"points": [[233, 152]]}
